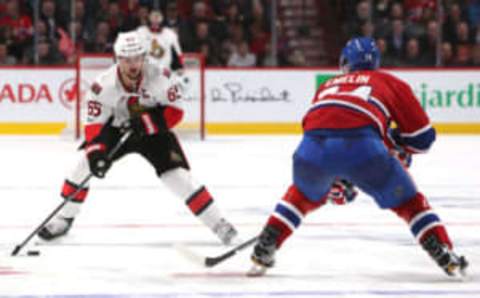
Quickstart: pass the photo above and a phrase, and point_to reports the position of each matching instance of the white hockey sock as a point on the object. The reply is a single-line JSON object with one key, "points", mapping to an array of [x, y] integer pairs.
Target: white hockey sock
{"points": [[70, 210], [198, 199]]}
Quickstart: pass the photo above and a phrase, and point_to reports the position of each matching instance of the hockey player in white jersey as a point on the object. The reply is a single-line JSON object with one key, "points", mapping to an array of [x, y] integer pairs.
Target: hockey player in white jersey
{"points": [[163, 48], [161, 42], [137, 96]]}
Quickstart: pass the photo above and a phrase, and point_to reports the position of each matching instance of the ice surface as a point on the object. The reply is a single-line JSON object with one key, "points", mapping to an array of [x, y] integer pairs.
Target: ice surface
{"points": [[121, 244]]}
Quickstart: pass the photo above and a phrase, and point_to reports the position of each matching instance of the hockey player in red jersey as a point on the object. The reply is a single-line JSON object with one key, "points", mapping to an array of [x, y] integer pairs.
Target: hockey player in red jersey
{"points": [[347, 136], [141, 97]]}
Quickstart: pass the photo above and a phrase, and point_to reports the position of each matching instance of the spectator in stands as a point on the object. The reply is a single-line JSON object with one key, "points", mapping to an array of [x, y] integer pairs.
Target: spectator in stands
{"points": [[387, 59], [5, 58], [259, 40], [397, 39], [47, 53], [476, 36], [202, 35], [102, 42], [142, 16], [447, 54], [476, 55], [237, 33], [80, 36], [463, 56], [227, 48], [128, 6], [381, 10], [429, 42], [473, 8], [87, 23], [52, 19], [18, 27], [172, 19], [297, 59], [362, 15], [104, 29], [454, 17], [242, 57], [367, 29], [413, 57], [268, 60], [115, 18], [207, 52], [396, 11], [20, 24], [100, 8]]}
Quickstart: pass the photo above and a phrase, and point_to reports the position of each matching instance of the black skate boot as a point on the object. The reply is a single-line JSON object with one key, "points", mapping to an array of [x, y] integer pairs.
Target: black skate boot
{"points": [[225, 231], [57, 227], [452, 264], [263, 256]]}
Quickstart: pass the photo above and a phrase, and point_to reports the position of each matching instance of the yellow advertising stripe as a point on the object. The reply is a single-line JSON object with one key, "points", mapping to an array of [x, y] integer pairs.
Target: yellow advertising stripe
{"points": [[253, 128], [32, 128], [457, 128], [295, 128], [55, 128]]}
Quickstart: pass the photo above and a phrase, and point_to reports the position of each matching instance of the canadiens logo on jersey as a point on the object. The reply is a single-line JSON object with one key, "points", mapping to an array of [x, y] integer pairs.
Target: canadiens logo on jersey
{"points": [[156, 50]]}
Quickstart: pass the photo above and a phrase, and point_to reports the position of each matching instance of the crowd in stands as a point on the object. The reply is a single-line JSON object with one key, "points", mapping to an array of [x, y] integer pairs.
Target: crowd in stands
{"points": [[409, 33], [237, 32]]}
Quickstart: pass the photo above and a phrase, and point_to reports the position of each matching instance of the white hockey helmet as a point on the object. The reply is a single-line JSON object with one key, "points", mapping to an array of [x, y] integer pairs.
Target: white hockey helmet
{"points": [[129, 44]]}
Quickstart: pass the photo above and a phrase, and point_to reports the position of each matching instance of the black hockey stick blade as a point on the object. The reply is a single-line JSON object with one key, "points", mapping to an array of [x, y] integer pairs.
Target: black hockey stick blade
{"points": [[16, 250], [213, 261]]}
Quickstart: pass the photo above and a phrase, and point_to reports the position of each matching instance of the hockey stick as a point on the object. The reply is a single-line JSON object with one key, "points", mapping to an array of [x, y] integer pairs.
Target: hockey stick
{"points": [[110, 155], [213, 261]]}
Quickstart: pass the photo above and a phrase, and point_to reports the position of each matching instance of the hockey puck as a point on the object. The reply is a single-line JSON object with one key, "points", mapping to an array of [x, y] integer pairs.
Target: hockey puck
{"points": [[33, 253]]}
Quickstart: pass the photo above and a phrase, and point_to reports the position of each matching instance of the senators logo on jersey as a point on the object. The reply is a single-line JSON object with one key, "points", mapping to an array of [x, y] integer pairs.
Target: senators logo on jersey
{"points": [[156, 50]]}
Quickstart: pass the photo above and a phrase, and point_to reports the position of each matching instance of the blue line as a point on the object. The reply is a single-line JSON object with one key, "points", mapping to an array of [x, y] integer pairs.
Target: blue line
{"points": [[377, 293]]}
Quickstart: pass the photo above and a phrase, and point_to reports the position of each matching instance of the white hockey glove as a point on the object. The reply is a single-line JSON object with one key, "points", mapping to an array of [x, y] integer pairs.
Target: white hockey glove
{"points": [[181, 79]]}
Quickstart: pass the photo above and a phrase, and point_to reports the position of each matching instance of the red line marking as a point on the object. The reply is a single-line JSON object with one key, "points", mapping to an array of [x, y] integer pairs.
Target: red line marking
{"points": [[188, 226]]}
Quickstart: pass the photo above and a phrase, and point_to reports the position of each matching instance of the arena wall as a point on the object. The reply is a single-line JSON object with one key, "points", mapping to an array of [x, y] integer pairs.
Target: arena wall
{"points": [[238, 101]]}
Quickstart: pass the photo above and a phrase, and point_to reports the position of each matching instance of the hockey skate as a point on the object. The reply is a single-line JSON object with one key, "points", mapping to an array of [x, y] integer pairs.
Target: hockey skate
{"points": [[263, 256], [57, 227], [225, 231], [452, 264]]}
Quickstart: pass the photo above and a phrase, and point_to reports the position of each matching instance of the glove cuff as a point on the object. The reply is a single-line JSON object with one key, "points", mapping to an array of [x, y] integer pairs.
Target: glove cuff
{"points": [[150, 127], [94, 148]]}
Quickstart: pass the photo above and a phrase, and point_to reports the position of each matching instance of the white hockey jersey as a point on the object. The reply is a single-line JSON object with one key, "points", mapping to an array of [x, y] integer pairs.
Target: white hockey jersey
{"points": [[159, 45], [108, 96]]}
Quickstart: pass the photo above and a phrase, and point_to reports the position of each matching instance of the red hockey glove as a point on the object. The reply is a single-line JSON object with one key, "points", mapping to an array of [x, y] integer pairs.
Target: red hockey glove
{"points": [[396, 148], [342, 192]]}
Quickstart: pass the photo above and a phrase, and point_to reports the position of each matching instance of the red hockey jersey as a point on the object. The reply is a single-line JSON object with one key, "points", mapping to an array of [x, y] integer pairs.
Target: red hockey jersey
{"points": [[375, 98]]}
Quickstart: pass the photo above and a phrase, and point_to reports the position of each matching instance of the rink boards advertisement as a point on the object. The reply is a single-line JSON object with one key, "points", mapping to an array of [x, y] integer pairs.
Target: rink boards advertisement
{"points": [[37, 100]]}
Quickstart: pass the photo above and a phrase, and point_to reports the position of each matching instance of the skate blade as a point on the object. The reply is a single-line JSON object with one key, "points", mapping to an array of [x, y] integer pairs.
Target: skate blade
{"points": [[256, 270], [459, 271]]}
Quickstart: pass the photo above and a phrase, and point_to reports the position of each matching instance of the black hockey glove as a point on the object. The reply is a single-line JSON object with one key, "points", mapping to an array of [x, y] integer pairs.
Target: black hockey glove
{"points": [[98, 163], [149, 122], [97, 149]]}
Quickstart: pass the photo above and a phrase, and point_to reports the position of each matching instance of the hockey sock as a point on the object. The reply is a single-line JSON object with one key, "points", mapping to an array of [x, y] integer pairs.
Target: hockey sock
{"points": [[203, 206], [72, 208], [290, 211], [196, 196], [423, 221]]}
